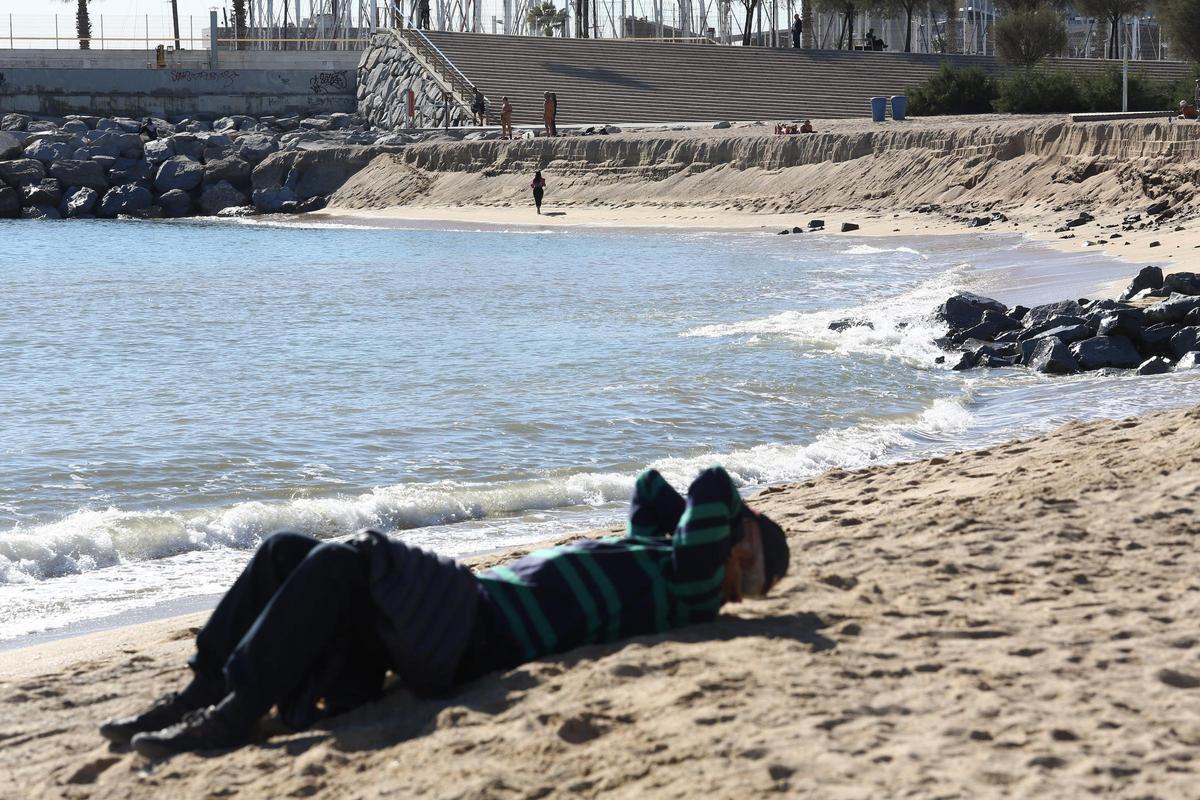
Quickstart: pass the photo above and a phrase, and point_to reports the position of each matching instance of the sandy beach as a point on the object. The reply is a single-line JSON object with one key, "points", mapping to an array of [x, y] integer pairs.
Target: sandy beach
{"points": [[1013, 622]]}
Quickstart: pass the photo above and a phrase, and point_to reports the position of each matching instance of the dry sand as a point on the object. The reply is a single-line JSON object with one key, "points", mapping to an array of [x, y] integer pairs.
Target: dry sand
{"points": [[1012, 622], [1037, 171]]}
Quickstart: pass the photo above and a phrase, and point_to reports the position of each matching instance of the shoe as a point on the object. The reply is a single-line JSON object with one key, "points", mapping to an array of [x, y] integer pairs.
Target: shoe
{"points": [[167, 710], [203, 729]]}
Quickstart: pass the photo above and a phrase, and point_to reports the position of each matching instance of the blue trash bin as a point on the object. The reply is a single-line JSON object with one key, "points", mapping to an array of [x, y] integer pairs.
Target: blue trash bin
{"points": [[899, 106], [878, 108]]}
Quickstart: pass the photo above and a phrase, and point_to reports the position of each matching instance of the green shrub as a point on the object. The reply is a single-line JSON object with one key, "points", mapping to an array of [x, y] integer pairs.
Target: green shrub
{"points": [[1033, 91], [952, 91], [1101, 91]]}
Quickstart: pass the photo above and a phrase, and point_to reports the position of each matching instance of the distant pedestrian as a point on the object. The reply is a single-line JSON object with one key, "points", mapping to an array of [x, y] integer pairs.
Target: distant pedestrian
{"points": [[550, 112], [538, 184], [148, 130], [506, 131], [479, 107], [447, 101], [423, 14], [797, 30]]}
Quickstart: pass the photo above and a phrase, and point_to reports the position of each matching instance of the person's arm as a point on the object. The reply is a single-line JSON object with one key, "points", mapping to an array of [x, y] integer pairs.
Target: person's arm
{"points": [[706, 531], [655, 508]]}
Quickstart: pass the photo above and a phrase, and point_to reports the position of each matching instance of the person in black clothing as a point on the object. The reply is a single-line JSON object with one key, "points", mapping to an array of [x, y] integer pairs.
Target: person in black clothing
{"points": [[479, 107], [538, 184], [423, 14], [312, 628], [797, 30]]}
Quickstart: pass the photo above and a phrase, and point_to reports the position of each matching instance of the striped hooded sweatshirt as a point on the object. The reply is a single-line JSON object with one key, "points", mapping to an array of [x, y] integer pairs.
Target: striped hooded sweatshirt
{"points": [[665, 573]]}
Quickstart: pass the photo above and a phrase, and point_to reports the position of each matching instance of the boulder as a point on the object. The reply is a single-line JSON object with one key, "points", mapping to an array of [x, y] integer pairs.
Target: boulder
{"points": [[176, 203], [306, 205], [1018, 313], [1127, 323], [157, 151], [22, 172], [1147, 278], [1183, 282], [1043, 313], [179, 172], [80, 173], [1185, 341], [232, 169], [1158, 207], [125, 199], [40, 212], [127, 170], [1171, 310], [840, 325], [1189, 361], [42, 126], [75, 126], [255, 147], [847, 227], [79, 202], [1035, 331], [965, 310], [219, 197], [48, 150], [46, 192], [10, 202], [10, 146], [1191, 318], [1106, 351], [1052, 357], [14, 122], [188, 145], [271, 201], [1155, 340], [1156, 365]]}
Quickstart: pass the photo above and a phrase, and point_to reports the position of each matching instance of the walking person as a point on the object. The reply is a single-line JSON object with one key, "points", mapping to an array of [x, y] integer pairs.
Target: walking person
{"points": [[538, 184], [312, 628], [797, 31], [479, 107], [506, 111], [549, 112]]}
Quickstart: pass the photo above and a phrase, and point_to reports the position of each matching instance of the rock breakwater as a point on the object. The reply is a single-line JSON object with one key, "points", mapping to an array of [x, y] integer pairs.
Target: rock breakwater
{"points": [[1153, 327], [84, 167]]}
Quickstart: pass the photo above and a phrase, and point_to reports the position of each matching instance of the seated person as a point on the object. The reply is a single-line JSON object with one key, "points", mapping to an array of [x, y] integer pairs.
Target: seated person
{"points": [[312, 624], [806, 127]]}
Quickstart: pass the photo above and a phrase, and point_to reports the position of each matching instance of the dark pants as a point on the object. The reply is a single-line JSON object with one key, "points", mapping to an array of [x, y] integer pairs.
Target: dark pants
{"points": [[795, 38], [537, 198], [301, 611]]}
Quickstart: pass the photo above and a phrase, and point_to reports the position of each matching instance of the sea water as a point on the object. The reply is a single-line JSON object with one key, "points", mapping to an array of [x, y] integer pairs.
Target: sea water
{"points": [[174, 392]]}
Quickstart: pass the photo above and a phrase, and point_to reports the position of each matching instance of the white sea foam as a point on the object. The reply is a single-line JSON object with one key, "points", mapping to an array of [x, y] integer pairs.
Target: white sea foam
{"points": [[92, 539], [867, 249], [896, 327]]}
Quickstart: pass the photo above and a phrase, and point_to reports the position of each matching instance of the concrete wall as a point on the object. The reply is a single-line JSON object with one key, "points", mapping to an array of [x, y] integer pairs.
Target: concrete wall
{"points": [[176, 92], [141, 58]]}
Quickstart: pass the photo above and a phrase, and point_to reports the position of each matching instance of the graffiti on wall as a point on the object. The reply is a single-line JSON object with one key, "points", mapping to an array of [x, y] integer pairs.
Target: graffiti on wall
{"points": [[333, 82], [225, 76]]}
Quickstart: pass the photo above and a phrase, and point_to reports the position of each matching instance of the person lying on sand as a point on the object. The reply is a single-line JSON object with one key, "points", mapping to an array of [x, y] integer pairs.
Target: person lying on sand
{"points": [[312, 628]]}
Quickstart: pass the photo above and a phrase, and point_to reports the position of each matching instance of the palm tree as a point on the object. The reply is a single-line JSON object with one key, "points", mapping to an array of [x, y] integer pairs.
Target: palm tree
{"points": [[546, 17], [239, 23], [83, 24]]}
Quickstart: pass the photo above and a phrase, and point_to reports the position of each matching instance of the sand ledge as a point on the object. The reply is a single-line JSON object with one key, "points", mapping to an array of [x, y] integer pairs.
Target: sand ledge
{"points": [[1014, 621]]}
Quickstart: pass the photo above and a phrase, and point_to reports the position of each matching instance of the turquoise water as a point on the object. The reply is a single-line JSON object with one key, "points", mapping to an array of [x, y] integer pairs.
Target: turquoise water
{"points": [[176, 391]]}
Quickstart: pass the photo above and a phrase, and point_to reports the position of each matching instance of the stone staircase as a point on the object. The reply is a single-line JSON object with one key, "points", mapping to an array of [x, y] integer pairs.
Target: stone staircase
{"points": [[615, 81]]}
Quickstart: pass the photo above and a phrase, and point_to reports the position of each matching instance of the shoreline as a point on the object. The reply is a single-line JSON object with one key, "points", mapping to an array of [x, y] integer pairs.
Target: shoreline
{"points": [[1017, 616]]}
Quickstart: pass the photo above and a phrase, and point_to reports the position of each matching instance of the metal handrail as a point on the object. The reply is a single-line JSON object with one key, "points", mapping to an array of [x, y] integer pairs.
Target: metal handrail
{"points": [[442, 57], [456, 78]]}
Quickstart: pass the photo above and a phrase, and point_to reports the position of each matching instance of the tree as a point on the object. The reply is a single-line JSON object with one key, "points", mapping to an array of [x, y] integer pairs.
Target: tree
{"points": [[806, 17], [239, 23], [950, 39], [896, 7], [1111, 11], [581, 19], [1027, 35], [849, 9], [546, 17], [1182, 20], [83, 24], [748, 28]]}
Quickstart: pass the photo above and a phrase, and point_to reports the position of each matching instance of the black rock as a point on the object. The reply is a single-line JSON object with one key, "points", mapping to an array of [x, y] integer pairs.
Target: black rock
{"points": [[840, 325], [1155, 340], [45, 192], [1034, 331], [1083, 219], [984, 330], [10, 202], [79, 202], [1052, 357], [965, 310], [797, 229], [965, 361], [1157, 208], [1127, 323], [40, 212], [849, 226], [317, 203], [1173, 309], [784, 232], [126, 199], [1155, 365], [1018, 313], [80, 173], [1191, 318], [1147, 278], [1106, 351], [1039, 315], [1183, 282], [1185, 341], [176, 203], [1068, 334]]}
